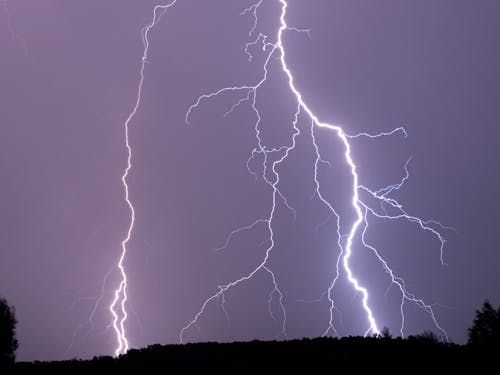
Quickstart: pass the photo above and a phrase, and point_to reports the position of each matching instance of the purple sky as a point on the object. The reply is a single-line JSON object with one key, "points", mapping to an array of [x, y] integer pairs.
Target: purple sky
{"points": [[68, 80]]}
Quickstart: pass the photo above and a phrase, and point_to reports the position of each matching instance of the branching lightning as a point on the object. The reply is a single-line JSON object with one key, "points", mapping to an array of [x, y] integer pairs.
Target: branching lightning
{"points": [[117, 307], [269, 163], [359, 226]]}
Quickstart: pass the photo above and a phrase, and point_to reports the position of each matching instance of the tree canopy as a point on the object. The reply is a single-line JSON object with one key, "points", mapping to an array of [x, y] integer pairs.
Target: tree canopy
{"points": [[8, 340], [485, 330]]}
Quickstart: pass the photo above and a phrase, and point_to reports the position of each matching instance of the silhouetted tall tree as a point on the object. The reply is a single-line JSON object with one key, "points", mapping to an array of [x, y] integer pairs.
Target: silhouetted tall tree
{"points": [[485, 330], [8, 340], [386, 334]]}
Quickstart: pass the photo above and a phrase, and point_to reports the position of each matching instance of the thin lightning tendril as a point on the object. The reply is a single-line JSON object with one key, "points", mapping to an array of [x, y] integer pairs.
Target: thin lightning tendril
{"points": [[333, 212], [361, 208], [118, 306], [13, 34], [90, 321]]}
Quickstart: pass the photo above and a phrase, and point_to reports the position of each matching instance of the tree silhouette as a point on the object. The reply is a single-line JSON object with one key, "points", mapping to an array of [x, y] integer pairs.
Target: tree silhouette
{"points": [[385, 333], [485, 330], [8, 340], [426, 337]]}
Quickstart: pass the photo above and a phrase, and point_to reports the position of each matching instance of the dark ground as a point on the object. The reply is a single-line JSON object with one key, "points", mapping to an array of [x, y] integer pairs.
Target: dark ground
{"points": [[380, 354]]}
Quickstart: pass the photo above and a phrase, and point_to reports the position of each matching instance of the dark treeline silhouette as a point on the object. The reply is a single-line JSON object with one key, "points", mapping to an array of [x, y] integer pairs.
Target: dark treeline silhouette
{"points": [[8, 340], [422, 352], [344, 353], [485, 330]]}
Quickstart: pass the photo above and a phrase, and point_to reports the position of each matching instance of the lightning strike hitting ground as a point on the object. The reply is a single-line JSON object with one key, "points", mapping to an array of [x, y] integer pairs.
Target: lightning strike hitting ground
{"points": [[357, 229], [117, 307]]}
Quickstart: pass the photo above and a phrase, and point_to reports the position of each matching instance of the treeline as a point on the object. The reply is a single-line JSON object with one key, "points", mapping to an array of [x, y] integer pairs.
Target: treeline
{"points": [[421, 352], [382, 353]]}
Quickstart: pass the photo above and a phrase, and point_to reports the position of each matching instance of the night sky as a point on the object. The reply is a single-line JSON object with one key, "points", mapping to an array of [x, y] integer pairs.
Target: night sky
{"points": [[69, 72]]}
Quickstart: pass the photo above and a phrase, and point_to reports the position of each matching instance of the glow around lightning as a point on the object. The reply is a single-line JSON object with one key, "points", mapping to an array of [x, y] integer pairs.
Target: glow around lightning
{"points": [[118, 308], [357, 228]]}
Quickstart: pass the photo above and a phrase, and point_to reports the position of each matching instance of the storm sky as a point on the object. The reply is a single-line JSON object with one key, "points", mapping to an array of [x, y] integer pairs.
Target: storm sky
{"points": [[69, 72]]}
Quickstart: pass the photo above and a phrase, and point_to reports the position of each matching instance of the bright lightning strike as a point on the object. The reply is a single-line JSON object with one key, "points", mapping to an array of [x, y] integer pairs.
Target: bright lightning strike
{"points": [[357, 229], [117, 307]]}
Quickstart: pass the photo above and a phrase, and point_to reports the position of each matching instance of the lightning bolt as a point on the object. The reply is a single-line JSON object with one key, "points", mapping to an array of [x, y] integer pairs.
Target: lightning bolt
{"points": [[117, 308], [359, 226]]}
